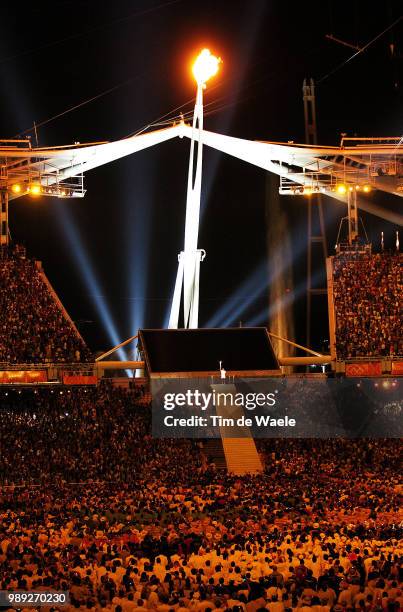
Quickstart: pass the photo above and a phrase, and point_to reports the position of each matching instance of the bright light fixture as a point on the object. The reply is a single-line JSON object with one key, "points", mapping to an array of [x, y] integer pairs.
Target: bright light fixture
{"points": [[341, 189], [16, 188], [35, 189], [367, 188], [205, 66]]}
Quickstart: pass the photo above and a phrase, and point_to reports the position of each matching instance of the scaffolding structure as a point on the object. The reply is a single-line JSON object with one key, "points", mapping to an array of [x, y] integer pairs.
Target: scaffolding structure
{"points": [[314, 208]]}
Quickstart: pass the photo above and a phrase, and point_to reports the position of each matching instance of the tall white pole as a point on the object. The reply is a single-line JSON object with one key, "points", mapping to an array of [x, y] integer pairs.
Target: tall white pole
{"points": [[190, 258], [176, 300], [191, 255], [205, 66]]}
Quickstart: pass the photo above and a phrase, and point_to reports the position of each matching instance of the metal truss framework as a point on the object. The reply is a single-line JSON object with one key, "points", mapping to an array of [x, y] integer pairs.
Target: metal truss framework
{"points": [[376, 163], [314, 205], [303, 169], [59, 171]]}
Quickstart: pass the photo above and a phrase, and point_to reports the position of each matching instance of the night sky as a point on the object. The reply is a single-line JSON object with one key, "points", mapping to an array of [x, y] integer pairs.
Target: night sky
{"points": [[126, 233]]}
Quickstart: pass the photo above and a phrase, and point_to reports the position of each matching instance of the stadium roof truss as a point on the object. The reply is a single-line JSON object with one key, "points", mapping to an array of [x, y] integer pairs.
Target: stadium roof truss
{"points": [[59, 171], [370, 163]]}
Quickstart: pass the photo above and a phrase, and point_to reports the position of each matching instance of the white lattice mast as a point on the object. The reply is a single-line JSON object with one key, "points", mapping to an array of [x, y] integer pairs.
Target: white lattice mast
{"points": [[189, 259], [314, 205]]}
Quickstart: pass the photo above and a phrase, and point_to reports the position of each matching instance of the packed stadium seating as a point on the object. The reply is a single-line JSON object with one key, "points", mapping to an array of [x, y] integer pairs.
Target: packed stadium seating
{"points": [[33, 326], [90, 503], [368, 304]]}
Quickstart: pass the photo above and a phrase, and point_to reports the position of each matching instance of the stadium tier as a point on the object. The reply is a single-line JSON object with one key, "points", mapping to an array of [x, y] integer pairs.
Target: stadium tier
{"points": [[367, 302], [35, 327]]}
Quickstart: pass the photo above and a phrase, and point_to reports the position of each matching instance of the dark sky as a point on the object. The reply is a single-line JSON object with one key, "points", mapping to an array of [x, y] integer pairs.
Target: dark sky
{"points": [[129, 227]]}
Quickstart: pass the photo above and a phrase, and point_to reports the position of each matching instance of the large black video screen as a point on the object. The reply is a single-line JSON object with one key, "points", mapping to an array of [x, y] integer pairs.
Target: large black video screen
{"points": [[201, 350]]}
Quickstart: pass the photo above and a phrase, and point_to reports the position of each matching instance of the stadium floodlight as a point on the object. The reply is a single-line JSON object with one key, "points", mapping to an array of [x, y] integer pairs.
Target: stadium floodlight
{"points": [[341, 189], [35, 189], [188, 274]]}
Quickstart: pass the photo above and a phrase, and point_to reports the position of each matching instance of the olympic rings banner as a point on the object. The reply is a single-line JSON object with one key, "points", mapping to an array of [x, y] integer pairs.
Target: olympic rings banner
{"points": [[367, 368], [397, 368]]}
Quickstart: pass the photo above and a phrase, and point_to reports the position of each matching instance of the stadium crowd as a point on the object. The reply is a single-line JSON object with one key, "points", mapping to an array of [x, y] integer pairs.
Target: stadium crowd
{"points": [[368, 304], [33, 327], [90, 503]]}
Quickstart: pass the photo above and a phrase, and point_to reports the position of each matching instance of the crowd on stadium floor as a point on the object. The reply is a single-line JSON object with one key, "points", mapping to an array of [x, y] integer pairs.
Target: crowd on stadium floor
{"points": [[368, 304], [33, 327], [155, 526]]}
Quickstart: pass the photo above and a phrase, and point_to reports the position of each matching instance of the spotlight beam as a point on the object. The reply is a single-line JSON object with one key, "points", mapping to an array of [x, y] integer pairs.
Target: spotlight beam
{"points": [[225, 315], [250, 290], [84, 266]]}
